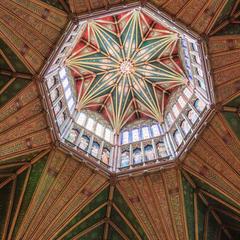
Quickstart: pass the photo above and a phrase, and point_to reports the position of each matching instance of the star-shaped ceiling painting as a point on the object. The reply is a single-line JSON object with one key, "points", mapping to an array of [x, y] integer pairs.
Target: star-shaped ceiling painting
{"points": [[126, 66]]}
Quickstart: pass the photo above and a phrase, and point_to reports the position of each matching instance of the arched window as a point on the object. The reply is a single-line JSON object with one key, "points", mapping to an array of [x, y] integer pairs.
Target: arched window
{"points": [[72, 136], [99, 130], [84, 142], [125, 137], [125, 159], [192, 116], [58, 107], [135, 135], [145, 132], [175, 110], [82, 119], [185, 127], [199, 105], [105, 155], [155, 130], [177, 137], [137, 156], [61, 118], [54, 94], [161, 149], [95, 149], [90, 124], [149, 153], [51, 82]]}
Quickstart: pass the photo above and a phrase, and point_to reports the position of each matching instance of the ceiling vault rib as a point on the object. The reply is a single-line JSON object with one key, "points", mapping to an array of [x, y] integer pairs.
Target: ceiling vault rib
{"points": [[119, 231], [19, 204], [89, 229], [81, 221], [127, 221], [134, 212], [9, 210], [108, 212], [84, 204], [24, 167]]}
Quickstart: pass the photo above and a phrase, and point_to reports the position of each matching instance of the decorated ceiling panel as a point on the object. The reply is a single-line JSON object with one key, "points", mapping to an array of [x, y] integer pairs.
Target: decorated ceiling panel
{"points": [[126, 66]]}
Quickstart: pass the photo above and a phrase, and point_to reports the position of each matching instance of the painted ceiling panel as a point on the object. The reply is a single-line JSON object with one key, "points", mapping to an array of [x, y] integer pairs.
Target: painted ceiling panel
{"points": [[129, 62]]}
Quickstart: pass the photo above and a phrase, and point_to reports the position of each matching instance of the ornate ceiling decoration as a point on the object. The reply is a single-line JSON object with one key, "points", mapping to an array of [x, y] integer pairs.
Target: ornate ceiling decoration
{"points": [[126, 66]]}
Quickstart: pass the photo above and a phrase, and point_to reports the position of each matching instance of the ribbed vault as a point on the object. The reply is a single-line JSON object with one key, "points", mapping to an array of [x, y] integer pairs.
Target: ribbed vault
{"points": [[45, 193]]}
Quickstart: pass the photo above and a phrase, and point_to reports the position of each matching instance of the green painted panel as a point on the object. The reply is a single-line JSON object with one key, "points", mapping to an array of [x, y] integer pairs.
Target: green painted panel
{"points": [[54, 3], [13, 89], [98, 216], [113, 235], [12, 57], [122, 205], [116, 218], [213, 228], [35, 175], [96, 234], [100, 199], [234, 121], [189, 203], [201, 214], [4, 201], [211, 190]]}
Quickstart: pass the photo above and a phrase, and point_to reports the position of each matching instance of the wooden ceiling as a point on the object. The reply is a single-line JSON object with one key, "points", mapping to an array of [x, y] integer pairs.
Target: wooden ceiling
{"points": [[46, 194]]}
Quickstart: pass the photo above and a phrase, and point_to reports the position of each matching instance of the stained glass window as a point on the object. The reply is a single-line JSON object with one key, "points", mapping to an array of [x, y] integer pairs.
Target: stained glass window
{"points": [[137, 156], [177, 137], [145, 133], [108, 135], [185, 126], [99, 130], [95, 149], [161, 149], [135, 135], [149, 153], [175, 110], [155, 130], [82, 119], [105, 156], [199, 105], [72, 135], [90, 124], [125, 137], [84, 142], [181, 101], [125, 158], [187, 92], [192, 116]]}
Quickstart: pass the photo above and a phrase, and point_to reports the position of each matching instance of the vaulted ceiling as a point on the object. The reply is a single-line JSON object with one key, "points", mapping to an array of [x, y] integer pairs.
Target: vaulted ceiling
{"points": [[45, 193]]}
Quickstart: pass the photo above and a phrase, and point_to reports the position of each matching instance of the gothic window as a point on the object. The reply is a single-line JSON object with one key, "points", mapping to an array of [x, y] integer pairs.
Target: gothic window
{"points": [[192, 116], [155, 130], [137, 156], [187, 92], [90, 124], [54, 94], [161, 149], [181, 101], [135, 135], [108, 135], [82, 119], [149, 153], [72, 137], [145, 133], [125, 137], [84, 142], [61, 118], [58, 107], [199, 105], [105, 155], [177, 137], [125, 159], [99, 130], [185, 127], [51, 82], [175, 110], [95, 149]]}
